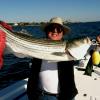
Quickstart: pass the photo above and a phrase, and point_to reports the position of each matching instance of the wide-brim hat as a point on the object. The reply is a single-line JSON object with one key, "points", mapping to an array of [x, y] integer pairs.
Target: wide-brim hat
{"points": [[59, 21]]}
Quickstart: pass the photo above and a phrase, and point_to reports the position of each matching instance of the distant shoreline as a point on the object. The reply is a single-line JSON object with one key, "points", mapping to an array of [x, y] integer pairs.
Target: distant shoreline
{"points": [[42, 23]]}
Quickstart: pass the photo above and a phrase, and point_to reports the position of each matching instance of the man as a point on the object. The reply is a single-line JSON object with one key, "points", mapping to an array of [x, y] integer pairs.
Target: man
{"points": [[98, 39], [3, 40], [52, 80], [2, 46]]}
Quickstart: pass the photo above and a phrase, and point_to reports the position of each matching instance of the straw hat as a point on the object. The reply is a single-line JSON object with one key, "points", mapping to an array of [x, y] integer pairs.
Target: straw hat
{"points": [[58, 21]]}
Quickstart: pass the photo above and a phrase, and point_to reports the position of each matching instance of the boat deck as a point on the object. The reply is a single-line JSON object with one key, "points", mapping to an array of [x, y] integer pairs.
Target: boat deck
{"points": [[88, 86]]}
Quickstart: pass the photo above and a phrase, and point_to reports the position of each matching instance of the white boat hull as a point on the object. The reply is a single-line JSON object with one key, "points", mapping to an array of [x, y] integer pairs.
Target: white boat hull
{"points": [[16, 91]]}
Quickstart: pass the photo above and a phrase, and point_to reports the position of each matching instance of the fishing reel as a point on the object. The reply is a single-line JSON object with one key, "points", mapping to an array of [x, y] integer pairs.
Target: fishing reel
{"points": [[95, 42]]}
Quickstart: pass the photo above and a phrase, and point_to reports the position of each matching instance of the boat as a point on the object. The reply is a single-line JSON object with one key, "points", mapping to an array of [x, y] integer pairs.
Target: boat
{"points": [[88, 87]]}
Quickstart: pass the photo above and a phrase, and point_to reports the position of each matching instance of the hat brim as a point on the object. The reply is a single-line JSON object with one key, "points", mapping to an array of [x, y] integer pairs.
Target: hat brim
{"points": [[66, 29]]}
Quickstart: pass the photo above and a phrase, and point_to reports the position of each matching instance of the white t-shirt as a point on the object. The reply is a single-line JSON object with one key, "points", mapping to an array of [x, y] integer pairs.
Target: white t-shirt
{"points": [[49, 76]]}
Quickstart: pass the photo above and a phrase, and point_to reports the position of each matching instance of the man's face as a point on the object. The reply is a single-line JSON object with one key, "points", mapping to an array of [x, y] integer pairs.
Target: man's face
{"points": [[55, 32], [55, 35]]}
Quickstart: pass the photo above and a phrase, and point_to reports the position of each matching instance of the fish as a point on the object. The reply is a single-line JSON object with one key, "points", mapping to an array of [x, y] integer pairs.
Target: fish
{"points": [[25, 45]]}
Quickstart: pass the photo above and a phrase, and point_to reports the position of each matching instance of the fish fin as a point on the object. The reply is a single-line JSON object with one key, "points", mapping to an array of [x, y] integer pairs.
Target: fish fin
{"points": [[58, 53]]}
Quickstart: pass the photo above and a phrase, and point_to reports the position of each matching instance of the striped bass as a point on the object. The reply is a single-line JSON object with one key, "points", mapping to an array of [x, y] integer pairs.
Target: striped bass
{"points": [[24, 45]]}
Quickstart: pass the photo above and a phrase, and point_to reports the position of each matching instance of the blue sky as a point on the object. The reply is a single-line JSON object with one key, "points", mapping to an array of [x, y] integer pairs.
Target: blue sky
{"points": [[43, 10]]}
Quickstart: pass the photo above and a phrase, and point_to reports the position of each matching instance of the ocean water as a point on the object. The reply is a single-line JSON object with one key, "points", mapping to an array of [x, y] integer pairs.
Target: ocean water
{"points": [[16, 69]]}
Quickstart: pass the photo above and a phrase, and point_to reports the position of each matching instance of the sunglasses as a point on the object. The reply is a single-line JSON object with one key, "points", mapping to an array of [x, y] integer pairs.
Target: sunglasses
{"points": [[52, 27]]}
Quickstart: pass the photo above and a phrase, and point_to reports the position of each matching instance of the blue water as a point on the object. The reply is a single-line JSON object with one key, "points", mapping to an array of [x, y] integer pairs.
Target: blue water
{"points": [[15, 69], [90, 29]]}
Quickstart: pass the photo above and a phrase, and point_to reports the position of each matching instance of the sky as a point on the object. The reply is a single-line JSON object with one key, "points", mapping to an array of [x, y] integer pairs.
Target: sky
{"points": [[43, 10]]}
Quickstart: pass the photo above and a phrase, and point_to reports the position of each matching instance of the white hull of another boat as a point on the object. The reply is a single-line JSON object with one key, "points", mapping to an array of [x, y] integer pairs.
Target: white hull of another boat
{"points": [[88, 87]]}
